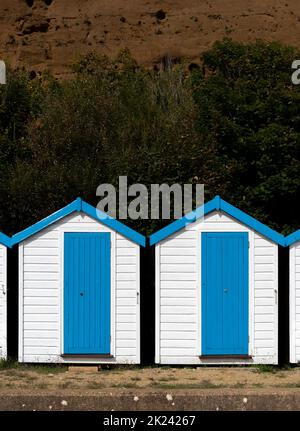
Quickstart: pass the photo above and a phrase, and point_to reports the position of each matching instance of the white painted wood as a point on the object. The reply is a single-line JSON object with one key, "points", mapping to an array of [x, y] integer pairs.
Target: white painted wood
{"points": [[178, 294], [157, 303], [294, 303], [41, 294], [3, 301]]}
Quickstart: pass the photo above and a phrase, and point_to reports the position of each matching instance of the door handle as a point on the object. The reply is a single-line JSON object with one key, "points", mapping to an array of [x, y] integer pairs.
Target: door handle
{"points": [[225, 290], [81, 293], [3, 289]]}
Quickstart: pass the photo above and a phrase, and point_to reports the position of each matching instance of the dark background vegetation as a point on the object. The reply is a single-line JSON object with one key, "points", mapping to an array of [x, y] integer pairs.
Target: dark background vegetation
{"points": [[233, 124]]}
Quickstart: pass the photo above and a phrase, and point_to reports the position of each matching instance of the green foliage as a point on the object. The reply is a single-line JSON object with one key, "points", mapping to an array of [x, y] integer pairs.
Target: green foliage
{"points": [[116, 119], [234, 125], [250, 111]]}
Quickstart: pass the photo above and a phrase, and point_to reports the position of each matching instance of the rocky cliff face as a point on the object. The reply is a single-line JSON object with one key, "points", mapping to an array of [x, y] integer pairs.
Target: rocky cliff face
{"points": [[50, 34]]}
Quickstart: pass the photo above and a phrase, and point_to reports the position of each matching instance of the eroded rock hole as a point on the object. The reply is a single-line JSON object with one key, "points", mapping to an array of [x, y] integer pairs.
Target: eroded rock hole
{"points": [[160, 14]]}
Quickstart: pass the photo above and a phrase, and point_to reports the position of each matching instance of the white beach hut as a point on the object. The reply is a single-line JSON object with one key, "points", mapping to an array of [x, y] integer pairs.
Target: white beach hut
{"points": [[216, 288], [293, 242], [79, 286], [4, 244]]}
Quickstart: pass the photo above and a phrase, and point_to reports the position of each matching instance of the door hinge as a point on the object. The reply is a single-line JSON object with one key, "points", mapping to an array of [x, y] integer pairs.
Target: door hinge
{"points": [[248, 244]]}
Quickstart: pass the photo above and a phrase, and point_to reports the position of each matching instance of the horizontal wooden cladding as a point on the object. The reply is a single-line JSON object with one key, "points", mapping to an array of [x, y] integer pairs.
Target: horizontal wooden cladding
{"points": [[177, 343], [41, 350], [38, 325], [177, 327], [129, 301], [125, 243], [173, 251], [120, 252], [41, 276], [183, 351], [179, 318], [176, 302], [37, 292], [41, 259], [178, 308], [125, 268], [177, 260], [264, 276], [180, 242], [41, 285], [41, 342], [40, 309], [175, 268], [264, 335], [262, 301], [44, 243], [41, 301], [264, 293], [41, 267], [178, 335], [178, 284], [182, 293], [178, 276], [39, 251], [131, 276], [126, 260]]}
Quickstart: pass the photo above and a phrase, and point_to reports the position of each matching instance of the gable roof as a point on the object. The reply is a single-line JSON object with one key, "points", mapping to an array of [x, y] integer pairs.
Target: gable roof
{"points": [[5, 240], [80, 206], [292, 238], [217, 204]]}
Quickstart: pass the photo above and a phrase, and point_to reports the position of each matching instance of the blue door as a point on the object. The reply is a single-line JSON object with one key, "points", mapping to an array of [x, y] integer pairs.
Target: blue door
{"points": [[224, 293], [86, 293]]}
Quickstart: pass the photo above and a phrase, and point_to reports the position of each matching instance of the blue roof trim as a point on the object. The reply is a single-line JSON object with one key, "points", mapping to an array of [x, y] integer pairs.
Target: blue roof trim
{"points": [[184, 221], [253, 223], [113, 224], [79, 205], [42, 224], [218, 204], [5, 240], [292, 238]]}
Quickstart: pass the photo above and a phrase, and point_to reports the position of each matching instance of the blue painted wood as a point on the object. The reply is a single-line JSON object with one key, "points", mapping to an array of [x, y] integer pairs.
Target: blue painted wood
{"points": [[5, 240], [225, 298], [218, 204], [86, 293], [292, 238], [80, 206]]}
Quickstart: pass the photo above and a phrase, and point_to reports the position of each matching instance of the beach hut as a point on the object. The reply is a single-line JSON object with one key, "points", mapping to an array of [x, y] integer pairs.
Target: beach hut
{"points": [[293, 242], [4, 243], [216, 288], [79, 286]]}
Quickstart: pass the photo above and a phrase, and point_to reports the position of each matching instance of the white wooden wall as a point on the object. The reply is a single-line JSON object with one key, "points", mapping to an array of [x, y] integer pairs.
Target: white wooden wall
{"points": [[178, 294], [295, 302], [3, 296], [41, 294]]}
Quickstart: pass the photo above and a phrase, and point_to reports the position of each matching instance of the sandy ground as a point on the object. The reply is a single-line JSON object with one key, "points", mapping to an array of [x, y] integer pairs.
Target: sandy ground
{"points": [[32, 379], [45, 34]]}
